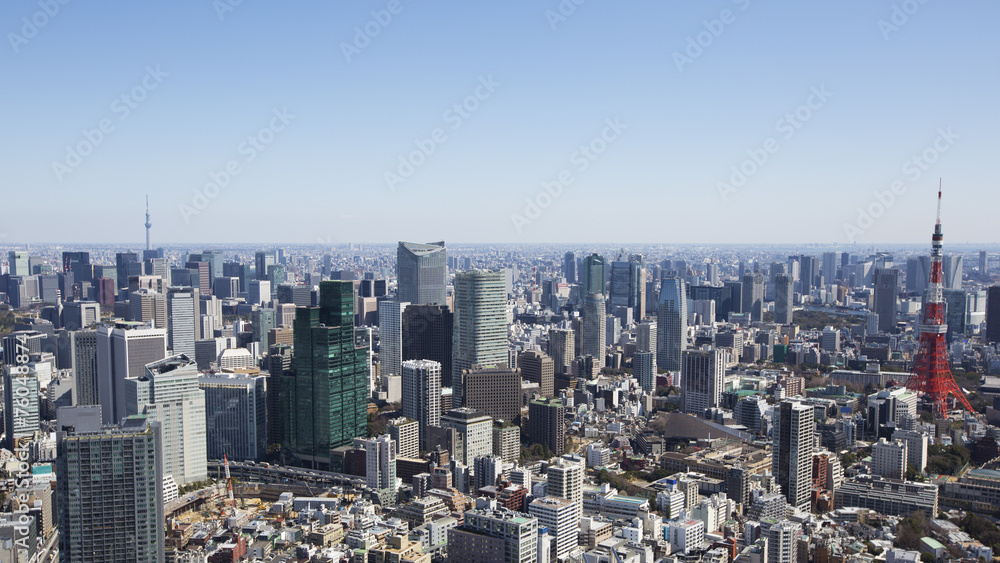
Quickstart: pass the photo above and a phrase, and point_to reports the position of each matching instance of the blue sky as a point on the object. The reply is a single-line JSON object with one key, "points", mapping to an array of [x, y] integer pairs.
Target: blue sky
{"points": [[211, 81]]}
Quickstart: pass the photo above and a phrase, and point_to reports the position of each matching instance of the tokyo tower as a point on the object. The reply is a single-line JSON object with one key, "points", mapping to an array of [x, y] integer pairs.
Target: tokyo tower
{"points": [[931, 374]]}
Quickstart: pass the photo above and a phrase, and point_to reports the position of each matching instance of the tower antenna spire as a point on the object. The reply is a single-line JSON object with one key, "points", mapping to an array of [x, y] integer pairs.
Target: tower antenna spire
{"points": [[939, 202], [148, 224]]}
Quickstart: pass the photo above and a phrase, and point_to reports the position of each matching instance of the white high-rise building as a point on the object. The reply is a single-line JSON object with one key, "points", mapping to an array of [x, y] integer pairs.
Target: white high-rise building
{"points": [[562, 519], [889, 458], [259, 292], [916, 447], [380, 462], [645, 337], [168, 393], [782, 546], [702, 376], [686, 535], [644, 369], [406, 434], [390, 336], [421, 382], [791, 454], [473, 434], [480, 323], [183, 319], [123, 350]]}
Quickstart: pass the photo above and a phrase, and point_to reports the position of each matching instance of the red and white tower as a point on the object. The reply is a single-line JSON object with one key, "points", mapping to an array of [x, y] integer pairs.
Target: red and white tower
{"points": [[931, 373]]}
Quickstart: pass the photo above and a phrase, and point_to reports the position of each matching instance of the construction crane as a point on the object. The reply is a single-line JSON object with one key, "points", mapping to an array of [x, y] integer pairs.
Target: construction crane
{"points": [[229, 484]]}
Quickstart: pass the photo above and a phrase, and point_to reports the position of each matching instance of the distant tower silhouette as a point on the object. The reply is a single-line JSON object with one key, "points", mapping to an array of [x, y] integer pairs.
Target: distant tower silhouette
{"points": [[931, 374], [148, 225]]}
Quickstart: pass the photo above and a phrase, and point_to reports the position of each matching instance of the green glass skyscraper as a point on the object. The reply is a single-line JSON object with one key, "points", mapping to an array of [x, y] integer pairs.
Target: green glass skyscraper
{"points": [[594, 273], [325, 400]]}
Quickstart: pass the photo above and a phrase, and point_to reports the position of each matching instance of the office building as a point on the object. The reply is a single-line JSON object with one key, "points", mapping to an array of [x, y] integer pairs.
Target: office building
{"points": [[406, 433], [782, 541], [918, 271], [494, 536], [562, 347], [539, 368], [493, 390], [123, 350], [703, 373], [480, 327], [422, 270], [80, 314], [791, 453], [561, 518], [327, 400], [507, 441], [546, 424], [569, 267], [565, 480], [264, 259], [916, 447], [644, 369], [183, 313], [473, 433], [889, 459], [380, 463], [628, 286], [594, 274], [259, 292], [753, 296], [147, 306], [83, 355], [168, 393], [390, 336], [889, 497], [127, 264], [109, 493], [236, 415], [427, 334], [263, 321], [594, 334], [17, 263], [22, 410], [783, 293], [671, 324], [421, 394], [993, 313], [886, 289], [951, 271]]}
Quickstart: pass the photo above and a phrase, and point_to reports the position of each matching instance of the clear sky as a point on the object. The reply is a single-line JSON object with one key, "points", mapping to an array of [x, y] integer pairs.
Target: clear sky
{"points": [[336, 93]]}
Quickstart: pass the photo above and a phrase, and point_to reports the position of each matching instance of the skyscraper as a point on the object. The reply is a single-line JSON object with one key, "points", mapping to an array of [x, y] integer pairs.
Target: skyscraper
{"points": [[753, 296], [569, 267], [539, 368], [327, 401], [123, 350], [546, 424], [110, 497], [808, 270], [473, 433], [17, 262], [993, 313], [951, 270], [593, 328], [671, 324], [783, 292], [594, 272], [236, 415], [427, 334], [492, 390], [702, 376], [83, 353], [422, 270], [984, 264], [390, 336], [918, 271], [168, 393], [127, 264], [22, 410], [829, 269], [644, 369], [886, 289], [791, 453], [480, 329], [628, 286], [562, 348], [422, 394], [183, 316]]}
